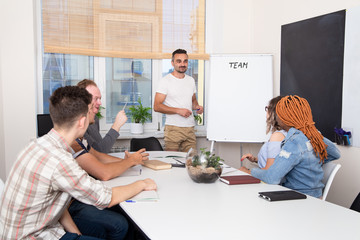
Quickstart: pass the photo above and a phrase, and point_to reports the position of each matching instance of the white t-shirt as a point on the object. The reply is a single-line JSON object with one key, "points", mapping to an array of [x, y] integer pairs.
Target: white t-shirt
{"points": [[179, 92]]}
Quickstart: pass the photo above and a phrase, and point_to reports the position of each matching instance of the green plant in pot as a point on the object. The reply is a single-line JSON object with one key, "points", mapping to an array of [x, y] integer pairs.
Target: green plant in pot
{"points": [[198, 119], [139, 115], [205, 167], [98, 114]]}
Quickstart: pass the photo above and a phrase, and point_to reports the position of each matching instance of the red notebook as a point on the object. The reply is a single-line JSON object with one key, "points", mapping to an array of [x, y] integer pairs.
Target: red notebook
{"points": [[239, 179]]}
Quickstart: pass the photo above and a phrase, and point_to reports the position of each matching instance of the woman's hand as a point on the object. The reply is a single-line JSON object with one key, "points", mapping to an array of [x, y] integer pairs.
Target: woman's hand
{"points": [[244, 169], [250, 157]]}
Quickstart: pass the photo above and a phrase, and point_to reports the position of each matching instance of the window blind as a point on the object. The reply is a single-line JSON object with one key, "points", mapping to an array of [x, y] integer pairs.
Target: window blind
{"points": [[143, 29]]}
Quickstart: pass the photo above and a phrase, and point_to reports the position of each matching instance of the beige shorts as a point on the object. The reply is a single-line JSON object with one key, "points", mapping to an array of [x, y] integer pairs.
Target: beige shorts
{"points": [[179, 138]]}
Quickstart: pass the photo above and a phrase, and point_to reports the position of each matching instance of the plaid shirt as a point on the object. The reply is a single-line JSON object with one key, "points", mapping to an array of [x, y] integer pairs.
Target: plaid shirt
{"points": [[39, 187]]}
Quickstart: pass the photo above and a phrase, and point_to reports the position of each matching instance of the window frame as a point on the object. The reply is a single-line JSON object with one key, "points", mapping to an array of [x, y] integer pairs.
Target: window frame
{"points": [[101, 82], [100, 79], [99, 72]]}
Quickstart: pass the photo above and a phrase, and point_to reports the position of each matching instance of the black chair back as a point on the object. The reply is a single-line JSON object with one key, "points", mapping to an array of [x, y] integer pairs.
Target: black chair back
{"points": [[44, 124], [356, 204], [150, 144]]}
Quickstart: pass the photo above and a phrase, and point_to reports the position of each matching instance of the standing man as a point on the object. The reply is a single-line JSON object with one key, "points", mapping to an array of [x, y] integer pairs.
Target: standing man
{"points": [[92, 134], [176, 97]]}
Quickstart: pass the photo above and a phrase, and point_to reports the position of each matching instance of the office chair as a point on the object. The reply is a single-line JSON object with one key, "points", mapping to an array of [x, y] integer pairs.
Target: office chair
{"points": [[330, 169], [150, 144], [44, 124], [356, 204]]}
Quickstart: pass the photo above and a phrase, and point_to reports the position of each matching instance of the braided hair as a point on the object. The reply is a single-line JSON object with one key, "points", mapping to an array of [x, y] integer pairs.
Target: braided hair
{"points": [[295, 111]]}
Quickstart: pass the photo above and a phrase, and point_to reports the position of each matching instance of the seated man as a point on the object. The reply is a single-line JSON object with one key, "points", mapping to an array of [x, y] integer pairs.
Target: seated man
{"points": [[45, 177], [88, 218], [92, 134], [299, 163], [104, 166]]}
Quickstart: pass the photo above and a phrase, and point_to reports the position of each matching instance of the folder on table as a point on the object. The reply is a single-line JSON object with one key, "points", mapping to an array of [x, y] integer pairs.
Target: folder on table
{"points": [[239, 179], [281, 195], [157, 164]]}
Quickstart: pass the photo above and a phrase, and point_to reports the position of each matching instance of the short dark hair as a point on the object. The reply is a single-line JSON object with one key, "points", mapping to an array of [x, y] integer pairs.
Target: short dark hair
{"points": [[85, 83], [178, 51], [67, 104]]}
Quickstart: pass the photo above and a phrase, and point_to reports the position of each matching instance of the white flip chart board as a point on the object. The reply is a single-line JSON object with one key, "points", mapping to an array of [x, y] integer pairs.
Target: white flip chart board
{"points": [[240, 87]]}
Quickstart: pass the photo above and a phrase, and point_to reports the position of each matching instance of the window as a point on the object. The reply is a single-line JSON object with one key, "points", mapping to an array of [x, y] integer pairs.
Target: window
{"points": [[124, 46], [62, 70], [127, 80]]}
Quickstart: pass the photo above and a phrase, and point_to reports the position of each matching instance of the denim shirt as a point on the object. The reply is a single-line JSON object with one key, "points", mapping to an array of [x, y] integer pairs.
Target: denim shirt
{"points": [[297, 167], [269, 150]]}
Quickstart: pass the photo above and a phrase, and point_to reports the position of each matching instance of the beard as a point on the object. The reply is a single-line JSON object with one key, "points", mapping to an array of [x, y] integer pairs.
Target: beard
{"points": [[181, 70]]}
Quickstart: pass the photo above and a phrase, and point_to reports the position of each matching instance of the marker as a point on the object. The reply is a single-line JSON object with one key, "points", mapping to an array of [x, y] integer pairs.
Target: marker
{"points": [[124, 106], [132, 201], [179, 161]]}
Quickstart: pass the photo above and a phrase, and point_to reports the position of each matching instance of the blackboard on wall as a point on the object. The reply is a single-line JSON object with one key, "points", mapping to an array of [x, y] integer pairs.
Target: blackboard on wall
{"points": [[312, 54], [240, 87]]}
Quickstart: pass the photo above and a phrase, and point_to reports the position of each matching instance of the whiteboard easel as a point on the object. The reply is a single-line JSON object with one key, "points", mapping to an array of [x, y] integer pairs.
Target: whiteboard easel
{"points": [[240, 87]]}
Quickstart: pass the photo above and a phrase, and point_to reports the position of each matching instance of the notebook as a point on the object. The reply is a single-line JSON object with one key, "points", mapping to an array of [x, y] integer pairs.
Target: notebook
{"points": [[281, 195], [133, 171], [157, 164], [144, 196], [239, 179]]}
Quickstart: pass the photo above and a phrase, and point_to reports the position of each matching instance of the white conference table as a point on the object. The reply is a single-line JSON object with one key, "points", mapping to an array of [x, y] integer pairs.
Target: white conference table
{"points": [[189, 210]]}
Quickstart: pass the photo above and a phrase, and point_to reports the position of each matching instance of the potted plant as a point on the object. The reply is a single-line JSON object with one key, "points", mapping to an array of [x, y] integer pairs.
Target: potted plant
{"points": [[204, 168], [139, 115], [197, 118], [98, 114]]}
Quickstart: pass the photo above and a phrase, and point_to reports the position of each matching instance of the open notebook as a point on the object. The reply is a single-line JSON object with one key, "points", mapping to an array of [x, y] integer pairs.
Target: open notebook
{"points": [[145, 196], [133, 171]]}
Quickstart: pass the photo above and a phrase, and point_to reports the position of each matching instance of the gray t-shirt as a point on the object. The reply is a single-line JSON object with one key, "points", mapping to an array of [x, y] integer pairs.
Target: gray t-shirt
{"points": [[95, 139]]}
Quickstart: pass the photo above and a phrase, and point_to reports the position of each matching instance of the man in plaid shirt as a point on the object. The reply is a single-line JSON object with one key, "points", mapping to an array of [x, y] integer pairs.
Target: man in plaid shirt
{"points": [[45, 177]]}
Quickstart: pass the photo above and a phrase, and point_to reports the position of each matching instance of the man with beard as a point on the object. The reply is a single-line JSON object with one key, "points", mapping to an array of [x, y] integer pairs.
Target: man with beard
{"points": [[92, 135], [176, 97]]}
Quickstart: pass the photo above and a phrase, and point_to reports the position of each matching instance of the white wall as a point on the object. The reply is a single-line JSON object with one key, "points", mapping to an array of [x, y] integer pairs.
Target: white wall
{"points": [[229, 26], [346, 185], [17, 80]]}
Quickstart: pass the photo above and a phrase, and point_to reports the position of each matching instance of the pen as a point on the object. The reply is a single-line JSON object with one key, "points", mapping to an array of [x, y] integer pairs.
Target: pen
{"points": [[132, 201], [178, 161], [124, 106], [178, 165], [173, 156]]}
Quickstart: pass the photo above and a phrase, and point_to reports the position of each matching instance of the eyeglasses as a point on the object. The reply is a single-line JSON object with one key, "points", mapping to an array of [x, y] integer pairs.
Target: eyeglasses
{"points": [[266, 108]]}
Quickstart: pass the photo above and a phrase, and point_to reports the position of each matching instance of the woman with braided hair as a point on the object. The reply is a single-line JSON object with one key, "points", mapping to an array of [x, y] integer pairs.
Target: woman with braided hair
{"points": [[299, 163]]}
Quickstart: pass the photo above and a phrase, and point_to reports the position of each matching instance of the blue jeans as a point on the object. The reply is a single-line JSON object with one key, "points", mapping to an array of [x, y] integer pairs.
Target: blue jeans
{"points": [[74, 236], [105, 224]]}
